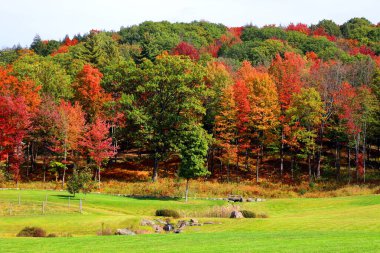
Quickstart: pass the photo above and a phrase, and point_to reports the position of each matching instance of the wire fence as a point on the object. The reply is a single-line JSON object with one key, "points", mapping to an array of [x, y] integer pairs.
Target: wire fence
{"points": [[21, 207]]}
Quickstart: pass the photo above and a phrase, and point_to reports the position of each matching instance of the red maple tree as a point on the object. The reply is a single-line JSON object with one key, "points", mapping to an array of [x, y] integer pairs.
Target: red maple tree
{"points": [[184, 48], [14, 125], [302, 28], [97, 144]]}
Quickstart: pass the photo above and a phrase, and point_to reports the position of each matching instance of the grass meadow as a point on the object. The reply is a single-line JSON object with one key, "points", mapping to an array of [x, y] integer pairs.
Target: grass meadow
{"points": [[341, 224]]}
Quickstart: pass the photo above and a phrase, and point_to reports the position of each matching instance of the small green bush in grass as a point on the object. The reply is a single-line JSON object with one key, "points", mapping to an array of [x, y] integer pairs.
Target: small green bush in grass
{"points": [[302, 191], [32, 232], [167, 213], [248, 214]]}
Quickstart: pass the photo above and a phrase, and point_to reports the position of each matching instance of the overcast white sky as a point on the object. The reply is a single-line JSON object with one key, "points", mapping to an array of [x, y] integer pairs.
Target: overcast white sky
{"points": [[21, 20]]}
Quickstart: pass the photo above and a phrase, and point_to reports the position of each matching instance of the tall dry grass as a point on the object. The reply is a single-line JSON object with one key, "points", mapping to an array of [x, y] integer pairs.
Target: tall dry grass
{"points": [[212, 189]]}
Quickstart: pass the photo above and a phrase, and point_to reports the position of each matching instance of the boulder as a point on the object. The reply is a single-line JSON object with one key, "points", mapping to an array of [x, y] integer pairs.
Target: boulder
{"points": [[124, 231], [157, 228], [194, 222], [236, 215], [145, 222], [142, 232], [181, 224], [168, 227], [177, 231], [250, 200], [160, 221]]}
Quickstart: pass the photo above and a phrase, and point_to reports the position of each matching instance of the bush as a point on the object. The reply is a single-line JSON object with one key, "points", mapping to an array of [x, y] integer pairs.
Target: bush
{"points": [[262, 215], [303, 191], [80, 181], [52, 235], [248, 214], [32, 232], [167, 213], [312, 185]]}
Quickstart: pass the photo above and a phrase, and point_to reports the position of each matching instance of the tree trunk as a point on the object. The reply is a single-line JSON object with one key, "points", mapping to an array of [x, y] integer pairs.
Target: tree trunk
{"points": [[34, 157], [337, 160], [257, 165], [309, 165], [221, 170], [63, 177], [212, 162], [364, 149], [319, 154], [155, 169], [44, 169], [99, 177], [187, 189], [228, 171], [246, 159], [357, 143], [349, 163], [30, 160], [282, 153], [292, 165], [64, 169], [368, 152], [237, 168]]}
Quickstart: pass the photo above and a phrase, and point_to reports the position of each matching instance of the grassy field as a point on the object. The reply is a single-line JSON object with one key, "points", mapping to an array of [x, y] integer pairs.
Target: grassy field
{"points": [[344, 224]]}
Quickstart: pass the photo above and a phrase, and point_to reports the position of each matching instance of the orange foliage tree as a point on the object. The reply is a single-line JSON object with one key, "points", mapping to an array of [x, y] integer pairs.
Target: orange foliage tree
{"points": [[90, 93]]}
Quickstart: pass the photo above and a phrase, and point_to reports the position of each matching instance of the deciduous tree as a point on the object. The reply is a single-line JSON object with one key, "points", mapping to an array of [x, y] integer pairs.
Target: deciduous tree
{"points": [[97, 144]]}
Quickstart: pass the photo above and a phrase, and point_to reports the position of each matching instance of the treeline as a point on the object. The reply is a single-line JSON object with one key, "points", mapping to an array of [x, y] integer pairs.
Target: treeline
{"points": [[220, 99]]}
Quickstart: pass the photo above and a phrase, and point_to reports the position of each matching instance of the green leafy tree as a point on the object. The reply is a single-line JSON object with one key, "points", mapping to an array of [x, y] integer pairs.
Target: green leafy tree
{"points": [[169, 99], [193, 152], [9, 55], [57, 168], [80, 181], [330, 27], [306, 111], [217, 78], [99, 49], [356, 28], [44, 47], [45, 72]]}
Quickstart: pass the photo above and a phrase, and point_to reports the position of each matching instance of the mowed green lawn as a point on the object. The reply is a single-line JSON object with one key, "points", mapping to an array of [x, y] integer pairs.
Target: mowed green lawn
{"points": [[346, 224]]}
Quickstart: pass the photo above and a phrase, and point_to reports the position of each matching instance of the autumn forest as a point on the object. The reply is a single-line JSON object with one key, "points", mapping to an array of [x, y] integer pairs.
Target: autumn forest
{"points": [[290, 104]]}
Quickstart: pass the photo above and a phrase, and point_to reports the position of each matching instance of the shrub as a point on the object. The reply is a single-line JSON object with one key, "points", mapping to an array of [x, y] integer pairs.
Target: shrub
{"points": [[303, 191], [248, 214], [80, 181], [262, 215], [32, 232], [52, 235], [167, 213]]}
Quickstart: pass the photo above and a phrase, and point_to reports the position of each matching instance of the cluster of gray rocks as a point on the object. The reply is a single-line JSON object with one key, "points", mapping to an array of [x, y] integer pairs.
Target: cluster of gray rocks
{"points": [[160, 226]]}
